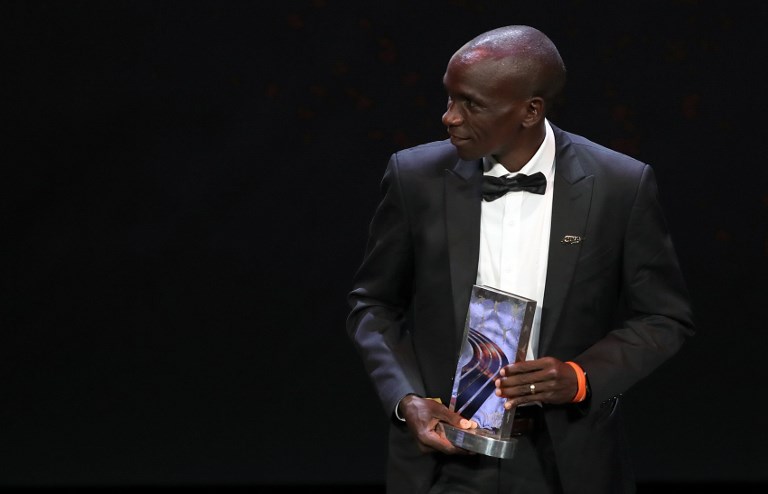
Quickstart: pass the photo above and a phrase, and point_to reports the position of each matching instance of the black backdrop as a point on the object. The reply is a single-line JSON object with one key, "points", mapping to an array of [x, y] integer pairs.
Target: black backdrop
{"points": [[186, 196]]}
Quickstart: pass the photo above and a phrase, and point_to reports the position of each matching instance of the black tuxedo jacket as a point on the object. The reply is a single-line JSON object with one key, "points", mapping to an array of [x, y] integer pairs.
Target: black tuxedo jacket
{"points": [[615, 302]]}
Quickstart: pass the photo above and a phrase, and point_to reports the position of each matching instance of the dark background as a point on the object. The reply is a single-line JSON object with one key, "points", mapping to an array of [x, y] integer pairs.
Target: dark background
{"points": [[186, 191]]}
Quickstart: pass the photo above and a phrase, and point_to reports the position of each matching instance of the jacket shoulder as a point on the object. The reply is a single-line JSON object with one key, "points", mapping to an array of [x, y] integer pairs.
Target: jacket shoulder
{"points": [[436, 155], [597, 159], [589, 146]]}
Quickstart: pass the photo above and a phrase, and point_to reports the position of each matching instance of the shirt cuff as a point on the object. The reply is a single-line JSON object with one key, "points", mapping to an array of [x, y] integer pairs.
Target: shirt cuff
{"points": [[397, 407]]}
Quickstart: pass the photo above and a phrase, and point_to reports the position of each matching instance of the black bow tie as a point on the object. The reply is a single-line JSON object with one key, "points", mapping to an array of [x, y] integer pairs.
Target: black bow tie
{"points": [[495, 187]]}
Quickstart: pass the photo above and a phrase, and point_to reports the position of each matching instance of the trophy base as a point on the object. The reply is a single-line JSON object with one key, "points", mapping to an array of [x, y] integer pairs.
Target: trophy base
{"points": [[480, 441]]}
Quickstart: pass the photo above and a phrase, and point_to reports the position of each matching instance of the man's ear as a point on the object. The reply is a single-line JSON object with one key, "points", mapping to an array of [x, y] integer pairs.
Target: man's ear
{"points": [[534, 111]]}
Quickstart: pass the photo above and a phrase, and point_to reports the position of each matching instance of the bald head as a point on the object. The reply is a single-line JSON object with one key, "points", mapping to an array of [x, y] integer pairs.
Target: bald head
{"points": [[524, 55]]}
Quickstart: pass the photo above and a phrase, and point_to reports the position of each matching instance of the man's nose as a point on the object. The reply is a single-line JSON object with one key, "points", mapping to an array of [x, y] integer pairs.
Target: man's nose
{"points": [[451, 117]]}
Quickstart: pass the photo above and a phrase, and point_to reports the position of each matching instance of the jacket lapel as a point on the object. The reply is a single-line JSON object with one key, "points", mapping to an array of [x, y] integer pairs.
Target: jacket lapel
{"points": [[570, 209], [462, 209]]}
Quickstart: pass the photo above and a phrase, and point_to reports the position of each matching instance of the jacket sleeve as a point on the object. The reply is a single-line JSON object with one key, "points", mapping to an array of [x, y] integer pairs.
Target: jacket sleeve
{"points": [[381, 296], [658, 314]]}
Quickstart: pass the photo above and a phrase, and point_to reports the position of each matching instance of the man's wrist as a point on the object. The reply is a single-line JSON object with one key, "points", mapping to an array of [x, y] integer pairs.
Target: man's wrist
{"points": [[398, 416]]}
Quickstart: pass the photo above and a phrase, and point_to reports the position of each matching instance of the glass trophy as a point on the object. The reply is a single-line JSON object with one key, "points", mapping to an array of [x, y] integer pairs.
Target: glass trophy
{"points": [[496, 333]]}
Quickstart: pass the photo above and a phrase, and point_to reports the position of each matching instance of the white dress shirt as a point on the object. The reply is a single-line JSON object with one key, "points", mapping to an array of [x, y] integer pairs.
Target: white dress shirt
{"points": [[514, 235]]}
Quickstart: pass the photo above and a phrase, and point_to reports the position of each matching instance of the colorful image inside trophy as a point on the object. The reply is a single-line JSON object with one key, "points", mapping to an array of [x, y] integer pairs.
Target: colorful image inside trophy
{"points": [[496, 333]]}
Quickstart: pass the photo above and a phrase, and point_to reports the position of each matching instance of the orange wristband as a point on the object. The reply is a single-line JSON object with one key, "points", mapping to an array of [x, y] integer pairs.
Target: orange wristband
{"points": [[581, 378]]}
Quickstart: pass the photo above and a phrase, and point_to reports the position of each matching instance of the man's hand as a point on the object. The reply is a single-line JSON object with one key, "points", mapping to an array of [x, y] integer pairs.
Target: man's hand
{"points": [[423, 417], [544, 380]]}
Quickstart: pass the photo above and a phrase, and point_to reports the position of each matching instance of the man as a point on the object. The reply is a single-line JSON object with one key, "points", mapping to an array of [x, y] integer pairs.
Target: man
{"points": [[592, 248]]}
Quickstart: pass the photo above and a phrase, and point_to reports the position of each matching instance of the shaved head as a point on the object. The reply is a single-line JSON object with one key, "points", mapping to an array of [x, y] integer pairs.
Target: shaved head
{"points": [[523, 55]]}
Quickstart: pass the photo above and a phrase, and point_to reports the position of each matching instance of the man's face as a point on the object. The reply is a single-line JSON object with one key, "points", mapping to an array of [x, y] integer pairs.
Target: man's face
{"points": [[486, 107]]}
